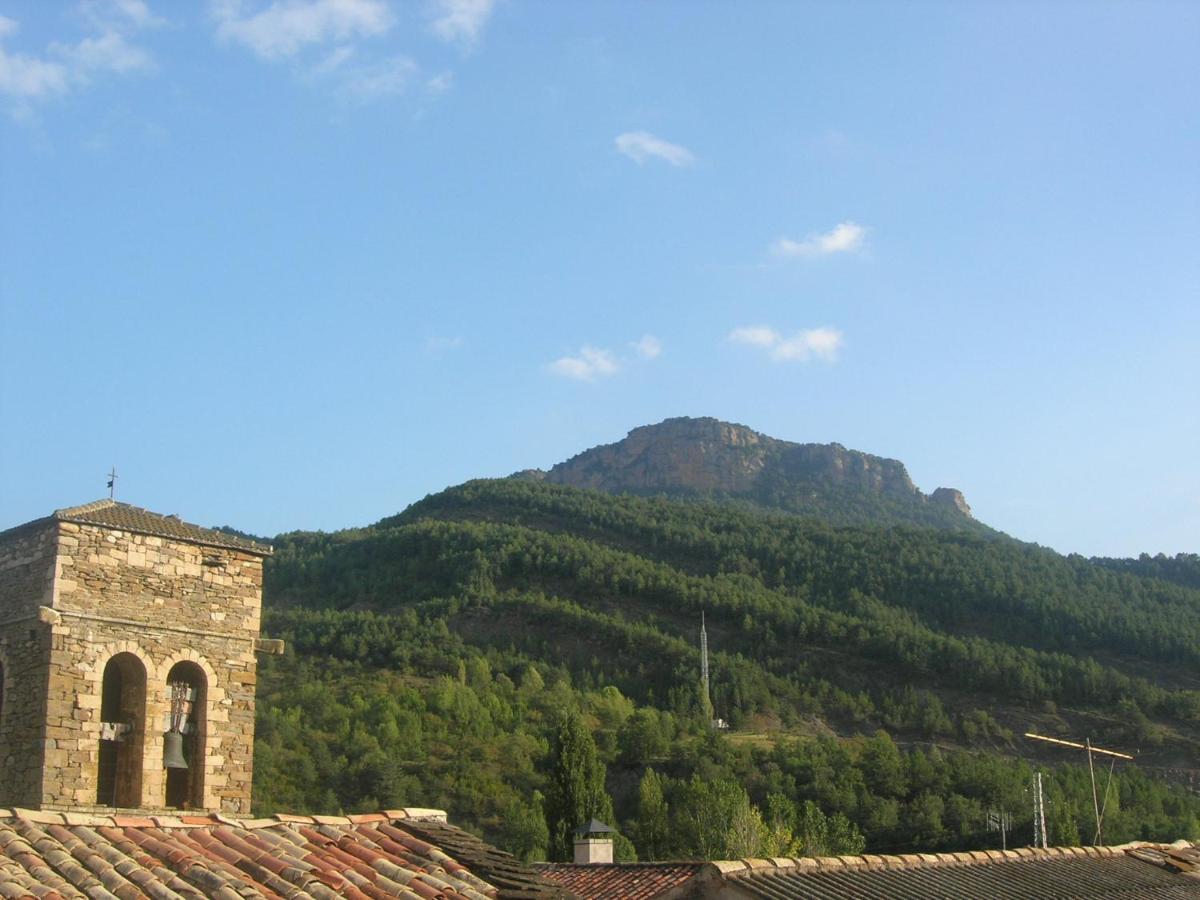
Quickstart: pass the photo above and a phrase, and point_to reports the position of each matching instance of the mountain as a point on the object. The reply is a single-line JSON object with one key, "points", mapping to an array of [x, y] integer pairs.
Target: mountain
{"points": [[710, 459], [884, 674]]}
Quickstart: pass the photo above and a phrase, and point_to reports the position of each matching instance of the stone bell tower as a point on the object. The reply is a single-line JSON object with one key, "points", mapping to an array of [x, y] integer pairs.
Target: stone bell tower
{"points": [[126, 635]]}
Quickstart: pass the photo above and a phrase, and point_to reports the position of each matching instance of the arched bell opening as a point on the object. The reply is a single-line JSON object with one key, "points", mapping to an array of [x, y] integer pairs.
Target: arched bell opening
{"points": [[183, 744], [122, 732]]}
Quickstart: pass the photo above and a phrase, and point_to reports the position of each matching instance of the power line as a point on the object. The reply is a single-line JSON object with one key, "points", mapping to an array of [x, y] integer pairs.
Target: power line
{"points": [[1087, 745]]}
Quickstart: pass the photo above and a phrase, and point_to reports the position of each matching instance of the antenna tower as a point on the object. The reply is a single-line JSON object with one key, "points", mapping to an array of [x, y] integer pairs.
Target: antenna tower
{"points": [[1040, 838]]}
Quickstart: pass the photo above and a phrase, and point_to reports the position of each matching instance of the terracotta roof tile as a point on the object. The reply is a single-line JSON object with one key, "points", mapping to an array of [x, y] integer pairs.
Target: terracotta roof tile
{"points": [[193, 857], [1070, 873], [513, 878], [629, 881]]}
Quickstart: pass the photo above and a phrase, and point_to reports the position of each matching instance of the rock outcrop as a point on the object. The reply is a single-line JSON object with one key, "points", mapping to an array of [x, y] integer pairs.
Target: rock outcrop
{"points": [[720, 460], [951, 497]]}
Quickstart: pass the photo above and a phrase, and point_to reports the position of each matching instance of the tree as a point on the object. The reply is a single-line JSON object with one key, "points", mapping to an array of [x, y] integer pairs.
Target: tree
{"points": [[523, 828], [828, 836], [641, 738], [715, 820], [781, 820], [651, 830], [575, 792]]}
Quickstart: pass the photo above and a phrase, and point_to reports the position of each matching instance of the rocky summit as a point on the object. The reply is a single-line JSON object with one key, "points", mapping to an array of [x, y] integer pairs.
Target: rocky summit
{"points": [[710, 459]]}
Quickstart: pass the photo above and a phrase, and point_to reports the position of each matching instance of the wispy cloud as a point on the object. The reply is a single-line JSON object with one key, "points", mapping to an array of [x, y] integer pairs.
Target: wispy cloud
{"points": [[844, 238], [647, 347], [641, 146], [328, 44], [592, 363], [814, 343], [588, 365], [755, 335], [461, 21], [286, 27], [107, 14], [440, 83], [107, 52], [442, 343], [378, 79], [108, 47], [25, 77]]}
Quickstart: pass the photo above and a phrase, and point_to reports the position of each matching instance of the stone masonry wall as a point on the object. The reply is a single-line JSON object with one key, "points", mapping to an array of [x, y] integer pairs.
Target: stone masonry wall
{"points": [[82, 648], [153, 580], [24, 647], [27, 562], [164, 601], [160, 600]]}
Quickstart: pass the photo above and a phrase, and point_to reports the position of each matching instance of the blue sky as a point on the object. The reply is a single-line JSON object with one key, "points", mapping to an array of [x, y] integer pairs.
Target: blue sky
{"points": [[296, 264]]}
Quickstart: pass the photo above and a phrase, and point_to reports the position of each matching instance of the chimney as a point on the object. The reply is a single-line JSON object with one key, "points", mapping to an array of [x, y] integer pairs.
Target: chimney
{"points": [[593, 844]]}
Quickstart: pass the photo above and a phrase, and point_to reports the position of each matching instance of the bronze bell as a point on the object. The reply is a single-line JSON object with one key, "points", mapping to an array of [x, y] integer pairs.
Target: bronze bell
{"points": [[173, 751]]}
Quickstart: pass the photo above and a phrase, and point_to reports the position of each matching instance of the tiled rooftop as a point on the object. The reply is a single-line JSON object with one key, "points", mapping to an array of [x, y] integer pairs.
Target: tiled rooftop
{"points": [[416, 854], [51, 855], [123, 516], [1145, 872], [623, 881], [513, 878]]}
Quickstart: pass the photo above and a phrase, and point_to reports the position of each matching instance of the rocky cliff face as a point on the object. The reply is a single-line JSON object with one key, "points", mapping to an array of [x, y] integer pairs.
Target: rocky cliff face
{"points": [[707, 457], [951, 498]]}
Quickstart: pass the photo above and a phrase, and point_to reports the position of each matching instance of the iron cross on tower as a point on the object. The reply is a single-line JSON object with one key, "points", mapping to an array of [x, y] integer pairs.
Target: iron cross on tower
{"points": [[112, 482]]}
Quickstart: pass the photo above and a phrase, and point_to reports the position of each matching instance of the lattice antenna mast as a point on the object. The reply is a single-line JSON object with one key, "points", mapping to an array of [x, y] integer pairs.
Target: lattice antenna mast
{"points": [[704, 658], [1087, 745], [1040, 838]]}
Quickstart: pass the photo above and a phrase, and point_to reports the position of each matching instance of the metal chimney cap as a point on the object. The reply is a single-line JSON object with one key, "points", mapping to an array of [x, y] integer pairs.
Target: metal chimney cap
{"points": [[595, 826]]}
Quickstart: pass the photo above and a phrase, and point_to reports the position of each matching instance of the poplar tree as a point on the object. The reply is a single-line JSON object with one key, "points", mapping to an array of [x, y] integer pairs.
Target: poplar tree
{"points": [[575, 792]]}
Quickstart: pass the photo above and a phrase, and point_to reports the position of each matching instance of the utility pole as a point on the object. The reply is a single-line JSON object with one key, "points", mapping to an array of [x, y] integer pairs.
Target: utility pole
{"points": [[1095, 802], [1000, 820], [1087, 745]]}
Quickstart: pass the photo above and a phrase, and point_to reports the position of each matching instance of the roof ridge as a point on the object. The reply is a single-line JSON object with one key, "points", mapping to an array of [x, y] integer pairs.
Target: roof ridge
{"points": [[182, 818], [121, 516], [103, 503], [637, 864], [870, 861]]}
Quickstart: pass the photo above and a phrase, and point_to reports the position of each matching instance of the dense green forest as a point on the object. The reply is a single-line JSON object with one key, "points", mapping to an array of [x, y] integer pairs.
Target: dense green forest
{"points": [[877, 680]]}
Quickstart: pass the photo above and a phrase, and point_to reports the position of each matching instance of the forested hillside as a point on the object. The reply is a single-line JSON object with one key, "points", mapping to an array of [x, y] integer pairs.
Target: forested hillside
{"points": [[877, 680]]}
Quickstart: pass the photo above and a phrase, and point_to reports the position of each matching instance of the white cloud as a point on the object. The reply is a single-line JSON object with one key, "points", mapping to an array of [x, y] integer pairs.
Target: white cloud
{"points": [[647, 347], [755, 335], [844, 238], [384, 78], [641, 146], [25, 78], [286, 27], [334, 60], [107, 14], [590, 364], [439, 84], [813, 343], [108, 52], [461, 21]]}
